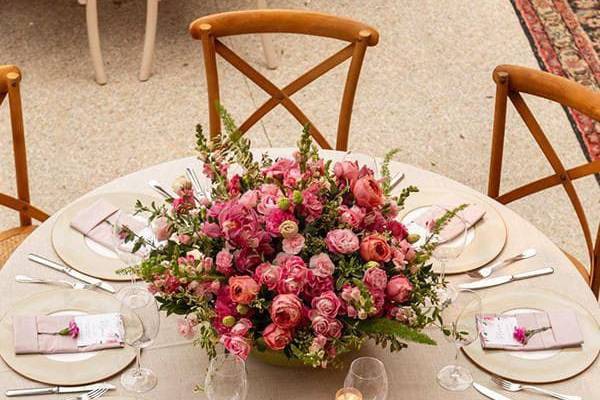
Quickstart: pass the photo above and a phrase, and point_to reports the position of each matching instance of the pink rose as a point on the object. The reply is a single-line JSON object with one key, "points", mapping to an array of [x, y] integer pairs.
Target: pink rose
{"points": [[243, 289], [276, 338], [346, 171], [236, 345], [293, 244], [375, 248], [320, 325], [352, 216], [327, 304], [375, 278], [335, 328], [161, 228], [186, 328], [286, 311], [268, 275], [241, 327], [367, 192], [342, 241], [399, 289], [321, 265], [224, 261]]}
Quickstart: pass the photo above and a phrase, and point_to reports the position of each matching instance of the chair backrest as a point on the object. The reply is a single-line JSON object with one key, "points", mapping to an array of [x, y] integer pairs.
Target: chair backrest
{"points": [[10, 78], [511, 81], [210, 28]]}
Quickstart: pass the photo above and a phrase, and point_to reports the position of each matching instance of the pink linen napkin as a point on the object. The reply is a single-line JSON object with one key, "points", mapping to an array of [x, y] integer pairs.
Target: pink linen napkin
{"points": [[564, 332], [470, 215], [36, 335], [96, 222]]}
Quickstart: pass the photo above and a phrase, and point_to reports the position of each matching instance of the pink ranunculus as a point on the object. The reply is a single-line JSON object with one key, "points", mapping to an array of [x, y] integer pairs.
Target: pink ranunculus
{"points": [[237, 345], [224, 262], [367, 192], [186, 328], [346, 172], [286, 311], [276, 338], [375, 278], [161, 228], [375, 248], [352, 216], [243, 289], [241, 327], [293, 244], [399, 289], [327, 304], [342, 241], [249, 199], [275, 218], [268, 275], [321, 265]]}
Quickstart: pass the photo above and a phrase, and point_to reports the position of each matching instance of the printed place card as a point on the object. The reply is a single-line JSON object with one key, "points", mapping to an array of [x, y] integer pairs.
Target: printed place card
{"points": [[498, 330], [99, 329]]}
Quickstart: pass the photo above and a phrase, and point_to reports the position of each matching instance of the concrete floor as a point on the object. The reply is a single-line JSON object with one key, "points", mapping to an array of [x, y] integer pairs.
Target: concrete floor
{"points": [[426, 88]]}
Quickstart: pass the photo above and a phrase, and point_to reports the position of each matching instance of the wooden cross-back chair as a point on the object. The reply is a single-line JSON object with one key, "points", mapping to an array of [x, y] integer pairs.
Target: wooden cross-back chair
{"points": [[10, 77], [210, 28], [511, 81]]}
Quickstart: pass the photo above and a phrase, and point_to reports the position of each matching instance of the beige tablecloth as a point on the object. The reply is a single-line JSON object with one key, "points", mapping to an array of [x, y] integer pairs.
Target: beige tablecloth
{"points": [[412, 372]]}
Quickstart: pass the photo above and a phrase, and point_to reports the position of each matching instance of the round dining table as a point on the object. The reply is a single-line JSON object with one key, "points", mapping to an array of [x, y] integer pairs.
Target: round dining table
{"points": [[412, 372]]}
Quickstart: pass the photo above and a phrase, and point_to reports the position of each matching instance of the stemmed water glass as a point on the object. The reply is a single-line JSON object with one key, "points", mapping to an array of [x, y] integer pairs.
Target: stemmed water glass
{"points": [[226, 378], [460, 328], [141, 319], [446, 251], [368, 376], [128, 230]]}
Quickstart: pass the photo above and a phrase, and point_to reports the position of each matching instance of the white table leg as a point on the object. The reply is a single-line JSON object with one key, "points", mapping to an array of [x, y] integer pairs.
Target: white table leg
{"points": [[267, 44], [149, 39], [91, 14]]}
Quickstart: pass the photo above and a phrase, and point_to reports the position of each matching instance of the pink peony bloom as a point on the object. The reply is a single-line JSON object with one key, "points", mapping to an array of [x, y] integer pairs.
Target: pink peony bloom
{"points": [[375, 278], [367, 192], [327, 304], [286, 311], [241, 327], [186, 328], [224, 262], [346, 172], [342, 241], [276, 338], [268, 275], [375, 248], [293, 244], [243, 289], [321, 265], [236, 345], [399, 289], [352, 216], [161, 228], [240, 225]]}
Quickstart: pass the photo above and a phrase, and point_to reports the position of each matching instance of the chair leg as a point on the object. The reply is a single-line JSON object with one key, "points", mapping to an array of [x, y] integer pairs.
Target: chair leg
{"points": [[149, 39], [91, 14], [267, 43]]}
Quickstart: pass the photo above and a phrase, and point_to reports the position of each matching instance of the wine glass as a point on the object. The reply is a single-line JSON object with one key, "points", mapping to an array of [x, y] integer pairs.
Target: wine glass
{"points": [[368, 376], [226, 378], [460, 328], [450, 242], [142, 321], [133, 238]]}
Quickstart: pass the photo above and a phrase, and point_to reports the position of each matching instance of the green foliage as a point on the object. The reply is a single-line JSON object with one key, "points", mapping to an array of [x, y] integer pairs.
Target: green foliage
{"points": [[385, 170], [387, 329]]}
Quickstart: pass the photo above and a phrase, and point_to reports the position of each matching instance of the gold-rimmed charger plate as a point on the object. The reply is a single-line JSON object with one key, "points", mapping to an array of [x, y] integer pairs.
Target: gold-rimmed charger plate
{"points": [[538, 366], [64, 369], [76, 251], [486, 238]]}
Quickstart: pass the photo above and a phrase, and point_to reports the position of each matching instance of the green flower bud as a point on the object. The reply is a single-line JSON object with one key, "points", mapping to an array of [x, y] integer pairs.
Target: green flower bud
{"points": [[242, 309], [297, 197], [372, 264], [283, 203], [413, 238], [229, 321]]}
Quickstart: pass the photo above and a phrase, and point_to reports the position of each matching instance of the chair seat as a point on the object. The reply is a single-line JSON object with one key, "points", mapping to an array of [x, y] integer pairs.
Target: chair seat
{"points": [[580, 267], [11, 239]]}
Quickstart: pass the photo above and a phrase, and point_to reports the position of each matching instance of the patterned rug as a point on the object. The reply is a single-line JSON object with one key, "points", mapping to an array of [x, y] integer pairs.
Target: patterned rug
{"points": [[565, 37]]}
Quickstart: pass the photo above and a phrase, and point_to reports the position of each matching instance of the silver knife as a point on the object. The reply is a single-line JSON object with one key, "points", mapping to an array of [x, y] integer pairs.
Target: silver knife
{"points": [[489, 282], [58, 389], [489, 392], [71, 272]]}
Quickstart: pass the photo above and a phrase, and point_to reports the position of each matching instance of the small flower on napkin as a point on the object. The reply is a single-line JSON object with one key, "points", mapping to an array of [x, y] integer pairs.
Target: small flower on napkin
{"points": [[71, 330], [523, 335]]}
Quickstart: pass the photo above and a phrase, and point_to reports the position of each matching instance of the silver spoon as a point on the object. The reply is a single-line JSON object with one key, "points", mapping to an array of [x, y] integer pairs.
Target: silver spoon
{"points": [[487, 271], [73, 285]]}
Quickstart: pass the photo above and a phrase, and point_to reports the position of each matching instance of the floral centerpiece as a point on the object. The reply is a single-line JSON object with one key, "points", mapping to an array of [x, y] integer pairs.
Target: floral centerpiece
{"points": [[299, 256]]}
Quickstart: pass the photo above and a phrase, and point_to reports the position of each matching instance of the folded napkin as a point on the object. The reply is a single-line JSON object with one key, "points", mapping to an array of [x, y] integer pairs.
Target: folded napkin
{"points": [[497, 331], [38, 334], [470, 215], [97, 220]]}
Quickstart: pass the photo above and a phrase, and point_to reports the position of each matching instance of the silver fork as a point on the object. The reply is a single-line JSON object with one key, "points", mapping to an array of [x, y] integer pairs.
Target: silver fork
{"points": [[517, 387], [73, 285], [94, 394], [487, 271]]}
